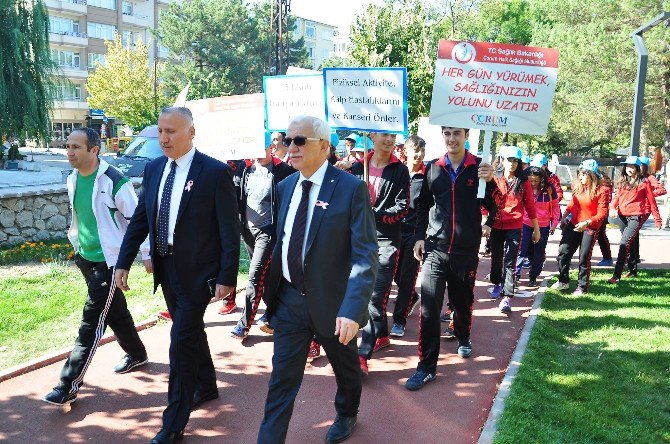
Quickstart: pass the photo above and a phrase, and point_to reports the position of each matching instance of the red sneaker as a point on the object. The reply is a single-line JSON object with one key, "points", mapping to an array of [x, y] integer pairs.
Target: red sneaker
{"points": [[364, 365], [227, 307], [382, 342], [314, 351], [613, 280], [165, 315]]}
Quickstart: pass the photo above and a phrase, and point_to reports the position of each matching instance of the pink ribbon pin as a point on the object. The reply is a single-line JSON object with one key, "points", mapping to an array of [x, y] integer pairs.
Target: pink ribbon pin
{"points": [[188, 186], [322, 204]]}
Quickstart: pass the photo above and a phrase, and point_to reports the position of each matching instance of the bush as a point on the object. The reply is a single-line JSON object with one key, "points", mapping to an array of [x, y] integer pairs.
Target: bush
{"points": [[44, 252]]}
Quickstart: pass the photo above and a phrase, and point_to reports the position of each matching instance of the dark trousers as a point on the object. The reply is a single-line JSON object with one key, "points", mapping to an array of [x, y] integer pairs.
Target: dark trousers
{"points": [[405, 278], [377, 326], [504, 252], [294, 331], [191, 365], [105, 305], [534, 252], [259, 245], [457, 274], [604, 242], [630, 228], [570, 241]]}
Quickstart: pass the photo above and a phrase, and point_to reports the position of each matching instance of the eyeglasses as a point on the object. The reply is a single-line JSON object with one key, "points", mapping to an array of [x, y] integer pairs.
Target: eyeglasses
{"points": [[298, 140], [512, 159]]}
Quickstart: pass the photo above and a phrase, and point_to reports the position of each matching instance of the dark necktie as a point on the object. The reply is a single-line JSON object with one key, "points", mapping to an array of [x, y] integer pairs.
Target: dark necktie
{"points": [[294, 255], [164, 212]]}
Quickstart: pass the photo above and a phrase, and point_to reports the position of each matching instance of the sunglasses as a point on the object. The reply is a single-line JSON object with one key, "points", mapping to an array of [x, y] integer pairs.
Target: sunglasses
{"points": [[512, 159], [297, 140]]}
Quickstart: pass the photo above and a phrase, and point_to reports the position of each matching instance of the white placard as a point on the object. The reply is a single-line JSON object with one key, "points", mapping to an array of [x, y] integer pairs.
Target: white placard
{"points": [[290, 96], [366, 99], [229, 128], [493, 86]]}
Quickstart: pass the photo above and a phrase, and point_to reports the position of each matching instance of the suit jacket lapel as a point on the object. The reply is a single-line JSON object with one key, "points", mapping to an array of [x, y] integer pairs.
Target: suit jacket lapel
{"points": [[153, 193], [193, 172], [283, 208], [330, 180]]}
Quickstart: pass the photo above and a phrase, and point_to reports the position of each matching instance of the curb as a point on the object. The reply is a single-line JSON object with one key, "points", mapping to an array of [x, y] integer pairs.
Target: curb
{"points": [[491, 426], [59, 355]]}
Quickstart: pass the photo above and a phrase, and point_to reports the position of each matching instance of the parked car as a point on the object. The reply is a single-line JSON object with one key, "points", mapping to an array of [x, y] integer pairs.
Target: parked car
{"points": [[143, 149]]}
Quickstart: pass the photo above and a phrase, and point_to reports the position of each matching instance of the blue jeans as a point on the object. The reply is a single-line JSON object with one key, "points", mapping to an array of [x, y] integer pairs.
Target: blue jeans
{"points": [[537, 260]]}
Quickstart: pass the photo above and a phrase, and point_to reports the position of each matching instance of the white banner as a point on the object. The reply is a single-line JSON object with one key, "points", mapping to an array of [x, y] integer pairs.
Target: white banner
{"points": [[229, 128], [493, 86], [366, 99], [290, 96]]}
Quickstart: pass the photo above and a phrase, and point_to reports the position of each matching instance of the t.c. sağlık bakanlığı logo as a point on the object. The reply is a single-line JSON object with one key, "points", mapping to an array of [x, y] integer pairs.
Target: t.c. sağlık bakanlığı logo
{"points": [[463, 52]]}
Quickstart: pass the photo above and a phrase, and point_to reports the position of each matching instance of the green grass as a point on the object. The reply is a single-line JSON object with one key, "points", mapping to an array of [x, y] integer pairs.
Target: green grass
{"points": [[597, 367], [41, 306]]}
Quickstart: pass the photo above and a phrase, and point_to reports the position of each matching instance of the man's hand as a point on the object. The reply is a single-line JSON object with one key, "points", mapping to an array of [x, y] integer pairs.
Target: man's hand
{"points": [[418, 250], [222, 291], [581, 226], [343, 164], [486, 231], [121, 279], [346, 329], [148, 266], [485, 171], [551, 231]]}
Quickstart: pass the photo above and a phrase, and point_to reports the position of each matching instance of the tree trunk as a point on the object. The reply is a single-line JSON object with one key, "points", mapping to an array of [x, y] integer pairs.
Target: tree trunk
{"points": [[665, 88]]}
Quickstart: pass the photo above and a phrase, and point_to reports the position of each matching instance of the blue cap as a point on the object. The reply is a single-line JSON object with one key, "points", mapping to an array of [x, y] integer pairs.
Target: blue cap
{"points": [[632, 160], [590, 165], [525, 158], [352, 136], [539, 160], [644, 160], [510, 151], [359, 144], [334, 139], [400, 139]]}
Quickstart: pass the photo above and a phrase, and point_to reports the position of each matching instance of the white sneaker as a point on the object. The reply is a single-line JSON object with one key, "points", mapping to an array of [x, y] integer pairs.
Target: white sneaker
{"points": [[558, 285]]}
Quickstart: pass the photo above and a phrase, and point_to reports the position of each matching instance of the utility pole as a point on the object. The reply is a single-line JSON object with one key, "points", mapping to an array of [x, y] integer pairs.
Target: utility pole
{"points": [[279, 33]]}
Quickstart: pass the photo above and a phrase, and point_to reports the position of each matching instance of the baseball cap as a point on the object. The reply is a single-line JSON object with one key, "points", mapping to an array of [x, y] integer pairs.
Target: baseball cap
{"points": [[644, 160], [510, 151], [590, 165], [539, 160], [632, 160]]}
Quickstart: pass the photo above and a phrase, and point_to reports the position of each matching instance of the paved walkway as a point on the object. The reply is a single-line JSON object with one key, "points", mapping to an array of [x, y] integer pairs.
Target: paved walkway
{"points": [[126, 408]]}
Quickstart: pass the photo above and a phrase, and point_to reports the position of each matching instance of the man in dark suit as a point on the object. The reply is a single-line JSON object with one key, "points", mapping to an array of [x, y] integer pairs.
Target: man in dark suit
{"points": [[321, 276], [188, 208]]}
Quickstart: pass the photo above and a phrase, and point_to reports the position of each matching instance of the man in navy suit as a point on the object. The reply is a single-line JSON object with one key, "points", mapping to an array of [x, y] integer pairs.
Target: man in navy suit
{"points": [[188, 208], [320, 281]]}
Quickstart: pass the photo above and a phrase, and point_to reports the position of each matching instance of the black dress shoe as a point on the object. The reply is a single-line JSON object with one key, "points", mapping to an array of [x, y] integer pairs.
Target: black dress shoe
{"points": [[341, 429], [201, 397], [167, 437]]}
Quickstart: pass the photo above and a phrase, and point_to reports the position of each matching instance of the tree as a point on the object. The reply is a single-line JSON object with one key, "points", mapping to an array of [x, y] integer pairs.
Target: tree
{"points": [[25, 69], [125, 86], [224, 45], [398, 34]]}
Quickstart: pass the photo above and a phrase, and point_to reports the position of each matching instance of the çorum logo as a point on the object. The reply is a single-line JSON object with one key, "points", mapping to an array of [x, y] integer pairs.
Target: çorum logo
{"points": [[486, 119], [463, 52]]}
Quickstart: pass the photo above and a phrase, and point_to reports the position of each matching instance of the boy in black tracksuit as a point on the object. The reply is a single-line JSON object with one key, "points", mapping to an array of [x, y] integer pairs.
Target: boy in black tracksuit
{"points": [[389, 193], [408, 267], [258, 216], [449, 219]]}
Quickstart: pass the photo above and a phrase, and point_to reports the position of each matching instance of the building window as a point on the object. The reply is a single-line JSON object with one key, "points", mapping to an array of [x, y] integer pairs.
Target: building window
{"points": [[107, 4], [94, 57], [127, 38], [310, 30], [310, 52], [63, 26], [296, 26], [68, 91], [127, 8], [325, 54], [327, 34], [67, 59], [101, 31]]}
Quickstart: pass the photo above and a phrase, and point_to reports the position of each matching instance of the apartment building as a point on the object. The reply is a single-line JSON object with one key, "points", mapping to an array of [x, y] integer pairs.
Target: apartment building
{"points": [[318, 39], [341, 42], [78, 30]]}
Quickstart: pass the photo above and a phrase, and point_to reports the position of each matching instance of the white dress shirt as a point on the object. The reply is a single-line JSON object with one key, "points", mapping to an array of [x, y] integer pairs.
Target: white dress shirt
{"points": [[317, 180], [180, 175]]}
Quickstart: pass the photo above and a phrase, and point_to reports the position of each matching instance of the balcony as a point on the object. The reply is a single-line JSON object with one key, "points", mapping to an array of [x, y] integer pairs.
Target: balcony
{"points": [[72, 72], [73, 7], [71, 104], [68, 38], [141, 21]]}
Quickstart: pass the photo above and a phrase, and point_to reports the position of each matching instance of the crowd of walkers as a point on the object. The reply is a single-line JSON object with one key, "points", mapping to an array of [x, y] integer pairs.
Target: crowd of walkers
{"points": [[424, 215]]}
